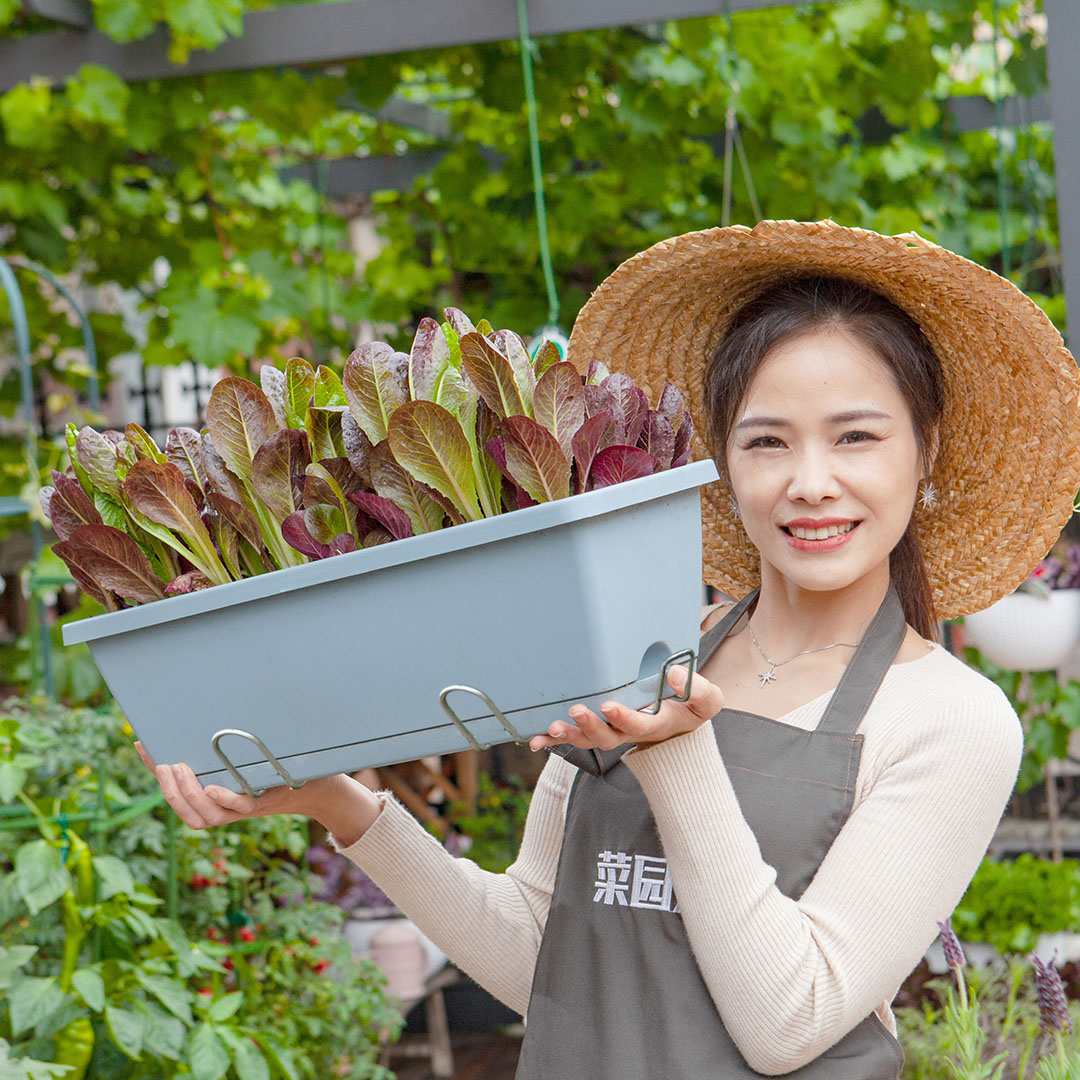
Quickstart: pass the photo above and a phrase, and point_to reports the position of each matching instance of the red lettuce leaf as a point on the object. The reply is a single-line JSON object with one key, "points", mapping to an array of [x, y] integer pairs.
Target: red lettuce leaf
{"points": [[586, 445], [278, 469], [459, 321], [619, 463], [598, 400], [428, 360], [671, 405], [239, 517], [392, 482], [295, 533], [217, 472], [158, 492], [385, 511], [114, 561], [658, 439], [182, 449], [535, 460], [683, 438], [342, 543], [559, 403], [69, 506], [72, 556], [358, 447], [272, 381], [190, 582], [376, 381], [96, 454], [493, 376]]}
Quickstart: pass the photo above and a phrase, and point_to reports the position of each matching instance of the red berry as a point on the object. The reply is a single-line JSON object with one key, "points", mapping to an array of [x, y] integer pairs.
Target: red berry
{"points": [[313, 941], [247, 934], [219, 864], [214, 934], [197, 881], [228, 964], [206, 991], [321, 966]]}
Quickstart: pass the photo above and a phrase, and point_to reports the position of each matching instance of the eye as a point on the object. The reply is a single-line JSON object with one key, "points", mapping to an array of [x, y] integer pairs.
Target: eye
{"points": [[850, 437], [766, 441]]}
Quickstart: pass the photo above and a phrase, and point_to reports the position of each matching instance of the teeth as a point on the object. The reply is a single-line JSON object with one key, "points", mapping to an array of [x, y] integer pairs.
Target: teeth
{"points": [[820, 534]]}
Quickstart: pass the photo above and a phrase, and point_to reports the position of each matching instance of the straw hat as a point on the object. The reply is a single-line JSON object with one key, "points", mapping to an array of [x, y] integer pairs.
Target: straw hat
{"points": [[1009, 466]]}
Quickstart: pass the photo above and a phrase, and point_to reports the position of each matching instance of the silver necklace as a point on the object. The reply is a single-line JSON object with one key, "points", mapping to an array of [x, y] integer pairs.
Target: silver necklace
{"points": [[769, 676]]}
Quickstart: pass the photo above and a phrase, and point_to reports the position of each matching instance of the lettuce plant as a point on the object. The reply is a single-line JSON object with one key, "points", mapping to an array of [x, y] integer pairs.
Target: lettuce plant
{"points": [[466, 426]]}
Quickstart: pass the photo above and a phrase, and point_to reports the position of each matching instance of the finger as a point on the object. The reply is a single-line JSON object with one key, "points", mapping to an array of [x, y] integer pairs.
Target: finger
{"points": [[192, 791], [706, 698], [243, 805], [167, 778], [141, 751], [599, 733]]}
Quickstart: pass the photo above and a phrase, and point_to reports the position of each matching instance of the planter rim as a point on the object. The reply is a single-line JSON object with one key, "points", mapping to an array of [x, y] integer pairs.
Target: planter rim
{"points": [[444, 541]]}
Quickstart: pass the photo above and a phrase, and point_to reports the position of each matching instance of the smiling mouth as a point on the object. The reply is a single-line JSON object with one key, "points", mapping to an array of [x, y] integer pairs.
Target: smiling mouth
{"points": [[801, 533]]}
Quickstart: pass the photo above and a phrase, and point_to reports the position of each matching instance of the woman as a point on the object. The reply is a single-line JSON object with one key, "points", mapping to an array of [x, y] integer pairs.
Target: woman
{"points": [[739, 884]]}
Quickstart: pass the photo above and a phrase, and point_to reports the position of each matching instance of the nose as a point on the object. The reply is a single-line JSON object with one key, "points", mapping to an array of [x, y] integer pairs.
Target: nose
{"points": [[813, 479]]}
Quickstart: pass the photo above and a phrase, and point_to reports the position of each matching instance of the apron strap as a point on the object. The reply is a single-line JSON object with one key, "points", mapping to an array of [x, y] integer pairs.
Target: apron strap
{"points": [[865, 671]]}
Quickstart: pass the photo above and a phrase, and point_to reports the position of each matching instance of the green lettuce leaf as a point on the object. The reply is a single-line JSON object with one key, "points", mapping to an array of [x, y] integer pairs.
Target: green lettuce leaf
{"points": [[492, 375], [428, 442], [299, 390], [240, 419]]}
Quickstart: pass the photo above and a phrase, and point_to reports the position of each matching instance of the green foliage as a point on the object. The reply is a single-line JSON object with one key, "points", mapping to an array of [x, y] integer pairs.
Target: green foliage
{"points": [[1009, 904], [252, 981], [1048, 708], [498, 824]]}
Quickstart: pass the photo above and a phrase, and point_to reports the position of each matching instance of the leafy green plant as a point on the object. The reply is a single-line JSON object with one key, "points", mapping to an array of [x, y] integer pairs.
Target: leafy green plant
{"points": [[1048, 708], [1009, 903], [494, 830], [251, 981], [468, 425]]}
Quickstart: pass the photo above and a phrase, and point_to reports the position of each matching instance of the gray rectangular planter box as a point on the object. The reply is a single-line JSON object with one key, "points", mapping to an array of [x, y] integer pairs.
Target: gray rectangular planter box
{"points": [[341, 664]]}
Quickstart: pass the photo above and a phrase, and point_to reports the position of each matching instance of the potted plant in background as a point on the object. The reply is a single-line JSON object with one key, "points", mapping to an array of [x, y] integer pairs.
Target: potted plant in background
{"points": [[1036, 628], [312, 521]]}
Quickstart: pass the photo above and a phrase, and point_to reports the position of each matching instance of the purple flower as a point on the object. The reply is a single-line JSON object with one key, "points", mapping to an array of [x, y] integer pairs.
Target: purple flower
{"points": [[1053, 1005], [954, 954]]}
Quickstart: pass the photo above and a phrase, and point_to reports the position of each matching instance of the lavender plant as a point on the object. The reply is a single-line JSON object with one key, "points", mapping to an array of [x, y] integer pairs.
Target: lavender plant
{"points": [[1055, 1021]]}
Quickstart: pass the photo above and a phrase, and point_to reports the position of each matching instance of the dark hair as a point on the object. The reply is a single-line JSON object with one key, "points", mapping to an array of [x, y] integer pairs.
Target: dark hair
{"points": [[801, 304]]}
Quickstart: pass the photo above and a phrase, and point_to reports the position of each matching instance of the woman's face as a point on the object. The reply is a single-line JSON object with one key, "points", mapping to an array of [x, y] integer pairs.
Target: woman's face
{"points": [[824, 461]]}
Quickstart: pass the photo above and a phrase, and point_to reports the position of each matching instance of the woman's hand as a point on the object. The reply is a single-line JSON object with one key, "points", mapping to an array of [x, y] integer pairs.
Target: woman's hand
{"points": [[342, 805], [621, 724]]}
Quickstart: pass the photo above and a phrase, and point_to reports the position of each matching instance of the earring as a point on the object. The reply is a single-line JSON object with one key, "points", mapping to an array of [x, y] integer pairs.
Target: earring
{"points": [[928, 497], [733, 503]]}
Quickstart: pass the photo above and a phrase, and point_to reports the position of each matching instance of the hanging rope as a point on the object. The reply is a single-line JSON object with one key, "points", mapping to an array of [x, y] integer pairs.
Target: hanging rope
{"points": [[999, 134], [733, 139], [527, 48]]}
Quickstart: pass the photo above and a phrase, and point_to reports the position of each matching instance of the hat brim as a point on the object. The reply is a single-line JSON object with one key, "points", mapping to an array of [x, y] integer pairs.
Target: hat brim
{"points": [[1008, 469]]}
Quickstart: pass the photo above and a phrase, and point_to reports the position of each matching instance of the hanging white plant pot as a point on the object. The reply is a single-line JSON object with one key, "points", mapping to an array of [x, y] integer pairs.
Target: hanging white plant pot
{"points": [[468, 636], [1026, 632]]}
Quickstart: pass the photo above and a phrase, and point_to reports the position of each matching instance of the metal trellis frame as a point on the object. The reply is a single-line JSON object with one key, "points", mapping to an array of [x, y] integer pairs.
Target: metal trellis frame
{"points": [[15, 505]]}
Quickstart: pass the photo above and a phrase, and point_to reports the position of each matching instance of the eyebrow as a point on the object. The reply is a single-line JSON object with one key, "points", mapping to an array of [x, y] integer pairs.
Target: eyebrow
{"points": [[836, 418]]}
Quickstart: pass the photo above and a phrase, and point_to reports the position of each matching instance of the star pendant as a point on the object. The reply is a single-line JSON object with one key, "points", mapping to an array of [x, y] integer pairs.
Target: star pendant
{"points": [[767, 677]]}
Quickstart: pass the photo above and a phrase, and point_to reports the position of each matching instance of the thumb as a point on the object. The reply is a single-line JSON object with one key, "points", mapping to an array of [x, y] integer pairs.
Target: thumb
{"points": [[706, 698]]}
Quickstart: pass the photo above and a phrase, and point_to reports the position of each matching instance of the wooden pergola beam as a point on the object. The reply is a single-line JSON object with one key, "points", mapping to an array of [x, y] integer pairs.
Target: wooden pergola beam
{"points": [[296, 35]]}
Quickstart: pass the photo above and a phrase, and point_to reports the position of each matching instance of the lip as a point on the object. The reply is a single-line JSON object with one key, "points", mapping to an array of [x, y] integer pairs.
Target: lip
{"points": [[816, 523], [830, 543]]}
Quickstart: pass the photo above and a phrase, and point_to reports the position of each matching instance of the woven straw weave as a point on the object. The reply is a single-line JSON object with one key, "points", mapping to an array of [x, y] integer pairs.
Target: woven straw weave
{"points": [[1009, 465]]}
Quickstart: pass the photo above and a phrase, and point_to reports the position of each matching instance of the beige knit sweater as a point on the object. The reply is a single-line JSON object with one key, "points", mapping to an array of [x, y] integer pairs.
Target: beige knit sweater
{"points": [[788, 977]]}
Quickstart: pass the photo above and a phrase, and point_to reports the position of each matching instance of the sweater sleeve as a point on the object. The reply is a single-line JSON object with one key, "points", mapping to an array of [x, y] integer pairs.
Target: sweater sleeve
{"points": [[791, 977], [490, 925]]}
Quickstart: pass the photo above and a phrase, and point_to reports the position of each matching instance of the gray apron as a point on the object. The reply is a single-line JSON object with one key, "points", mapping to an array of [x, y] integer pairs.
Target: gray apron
{"points": [[617, 994]]}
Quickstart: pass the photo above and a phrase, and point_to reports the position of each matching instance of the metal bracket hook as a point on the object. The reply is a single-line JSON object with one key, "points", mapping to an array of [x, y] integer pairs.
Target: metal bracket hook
{"points": [[278, 767], [495, 711], [691, 658]]}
